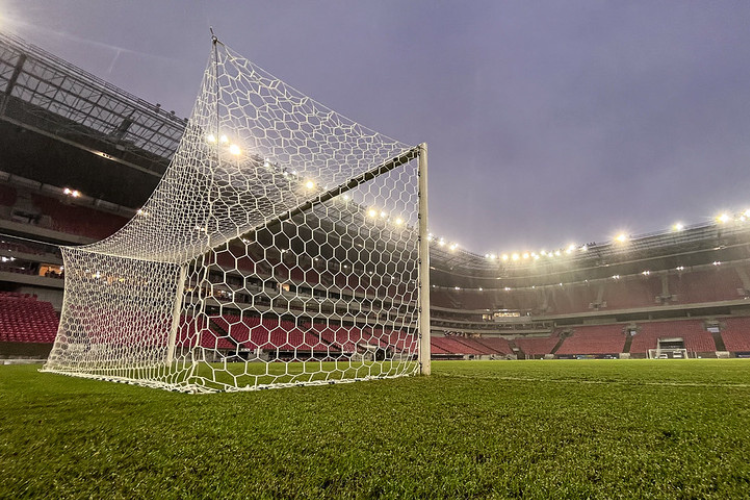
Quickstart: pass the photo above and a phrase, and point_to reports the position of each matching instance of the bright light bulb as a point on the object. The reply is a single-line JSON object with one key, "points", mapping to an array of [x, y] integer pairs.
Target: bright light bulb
{"points": [[678, 227], [211, 138], [310, 185], [621, 238], [723, 218], [234, 149], [223, 139], [399, 221]]}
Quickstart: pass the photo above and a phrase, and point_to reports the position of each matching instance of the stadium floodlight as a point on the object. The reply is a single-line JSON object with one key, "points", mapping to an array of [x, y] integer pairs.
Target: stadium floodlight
{"points": [[242, 279], [723, 218], [677, 227], [621, 238]]}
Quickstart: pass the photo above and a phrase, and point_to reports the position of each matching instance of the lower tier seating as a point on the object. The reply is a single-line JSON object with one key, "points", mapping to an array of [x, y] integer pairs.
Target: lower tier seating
{"points": [[599, 339], [23, 318]]}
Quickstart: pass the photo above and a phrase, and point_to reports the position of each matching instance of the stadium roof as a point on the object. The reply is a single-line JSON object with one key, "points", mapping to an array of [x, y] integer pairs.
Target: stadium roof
{"points": [[699, 237], [49, 96]]}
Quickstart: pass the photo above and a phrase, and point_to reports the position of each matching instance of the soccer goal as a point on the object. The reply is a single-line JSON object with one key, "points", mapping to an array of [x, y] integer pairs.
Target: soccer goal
{"points": [[285, 245], [668, 353]]}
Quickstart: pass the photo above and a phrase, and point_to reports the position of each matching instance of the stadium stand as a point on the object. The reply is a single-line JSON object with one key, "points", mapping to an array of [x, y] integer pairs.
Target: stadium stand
{"points": [[78, 220], [189, 329], [25, 319], [694, 335], [710, 285], [571, 298], [736, 334], [491, 345], [551, 295], [604, 339], [8, 195], [537, 346], [631, 293], [454, 346]]}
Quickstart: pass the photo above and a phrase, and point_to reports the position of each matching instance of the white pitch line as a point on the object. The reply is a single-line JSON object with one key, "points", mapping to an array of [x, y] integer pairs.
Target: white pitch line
{"points": [[577, 381]]}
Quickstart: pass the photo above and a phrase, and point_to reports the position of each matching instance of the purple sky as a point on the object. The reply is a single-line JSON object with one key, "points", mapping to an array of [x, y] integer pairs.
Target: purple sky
{"points": [[548, 122]]}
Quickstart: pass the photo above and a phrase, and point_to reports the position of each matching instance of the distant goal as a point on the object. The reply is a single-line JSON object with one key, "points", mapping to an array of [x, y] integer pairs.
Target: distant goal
{"points": [[668, 354]]}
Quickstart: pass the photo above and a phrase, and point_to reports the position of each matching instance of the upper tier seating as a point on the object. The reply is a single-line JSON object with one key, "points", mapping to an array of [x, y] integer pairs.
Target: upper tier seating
{"points": [[572, 298], [74, 219], [710, 285], [599, 339], [632, 293]]}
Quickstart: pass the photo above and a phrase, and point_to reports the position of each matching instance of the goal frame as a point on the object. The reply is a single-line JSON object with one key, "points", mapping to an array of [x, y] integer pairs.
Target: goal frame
{"points": [[141, 306], [670, 353]]}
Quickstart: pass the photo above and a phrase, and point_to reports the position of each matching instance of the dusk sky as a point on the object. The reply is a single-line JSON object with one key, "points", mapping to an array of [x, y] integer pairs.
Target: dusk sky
{"points": [[548, 122]]}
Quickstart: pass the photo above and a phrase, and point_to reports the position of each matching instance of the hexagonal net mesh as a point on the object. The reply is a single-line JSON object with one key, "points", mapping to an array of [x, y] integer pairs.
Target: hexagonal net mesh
{"points": [[280, 248]]}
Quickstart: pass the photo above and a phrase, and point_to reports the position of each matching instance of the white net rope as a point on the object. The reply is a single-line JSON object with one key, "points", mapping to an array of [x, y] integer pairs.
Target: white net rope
{"points": [[279, 248]]}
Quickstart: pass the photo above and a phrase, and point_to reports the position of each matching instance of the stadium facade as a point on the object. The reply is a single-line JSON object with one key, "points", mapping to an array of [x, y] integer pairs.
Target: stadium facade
{"points": [[80, 158]]}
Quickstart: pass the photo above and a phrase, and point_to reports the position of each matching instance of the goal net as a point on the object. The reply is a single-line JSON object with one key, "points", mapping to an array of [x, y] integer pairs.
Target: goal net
{"points": [[281, 247]]}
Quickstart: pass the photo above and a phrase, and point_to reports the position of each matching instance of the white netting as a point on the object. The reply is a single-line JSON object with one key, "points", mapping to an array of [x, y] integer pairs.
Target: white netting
{"points": [[280, 247]]}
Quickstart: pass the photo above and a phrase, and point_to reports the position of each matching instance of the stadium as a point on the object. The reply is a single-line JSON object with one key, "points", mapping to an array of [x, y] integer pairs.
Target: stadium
{"points": [[328, 289]]}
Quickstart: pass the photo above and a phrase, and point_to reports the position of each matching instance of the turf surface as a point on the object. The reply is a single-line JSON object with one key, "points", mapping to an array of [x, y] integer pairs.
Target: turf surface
{"points": [[527, 429]]}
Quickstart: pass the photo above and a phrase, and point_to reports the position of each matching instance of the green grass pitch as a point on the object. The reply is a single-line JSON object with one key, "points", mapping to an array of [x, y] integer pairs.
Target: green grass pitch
{"points": [[527, 429]]}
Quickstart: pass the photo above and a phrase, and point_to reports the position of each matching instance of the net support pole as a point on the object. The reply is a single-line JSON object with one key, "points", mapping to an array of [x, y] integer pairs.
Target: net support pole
{"points": [[425, 366], [176, 315]]}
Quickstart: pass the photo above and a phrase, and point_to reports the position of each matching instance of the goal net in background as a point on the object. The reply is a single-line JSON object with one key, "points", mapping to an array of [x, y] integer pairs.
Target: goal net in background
{"points": [[281, 247]]}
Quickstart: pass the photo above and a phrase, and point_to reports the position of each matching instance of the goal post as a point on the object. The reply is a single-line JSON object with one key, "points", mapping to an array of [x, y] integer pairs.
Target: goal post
{"points": [[282, 238], [425, 364]]}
